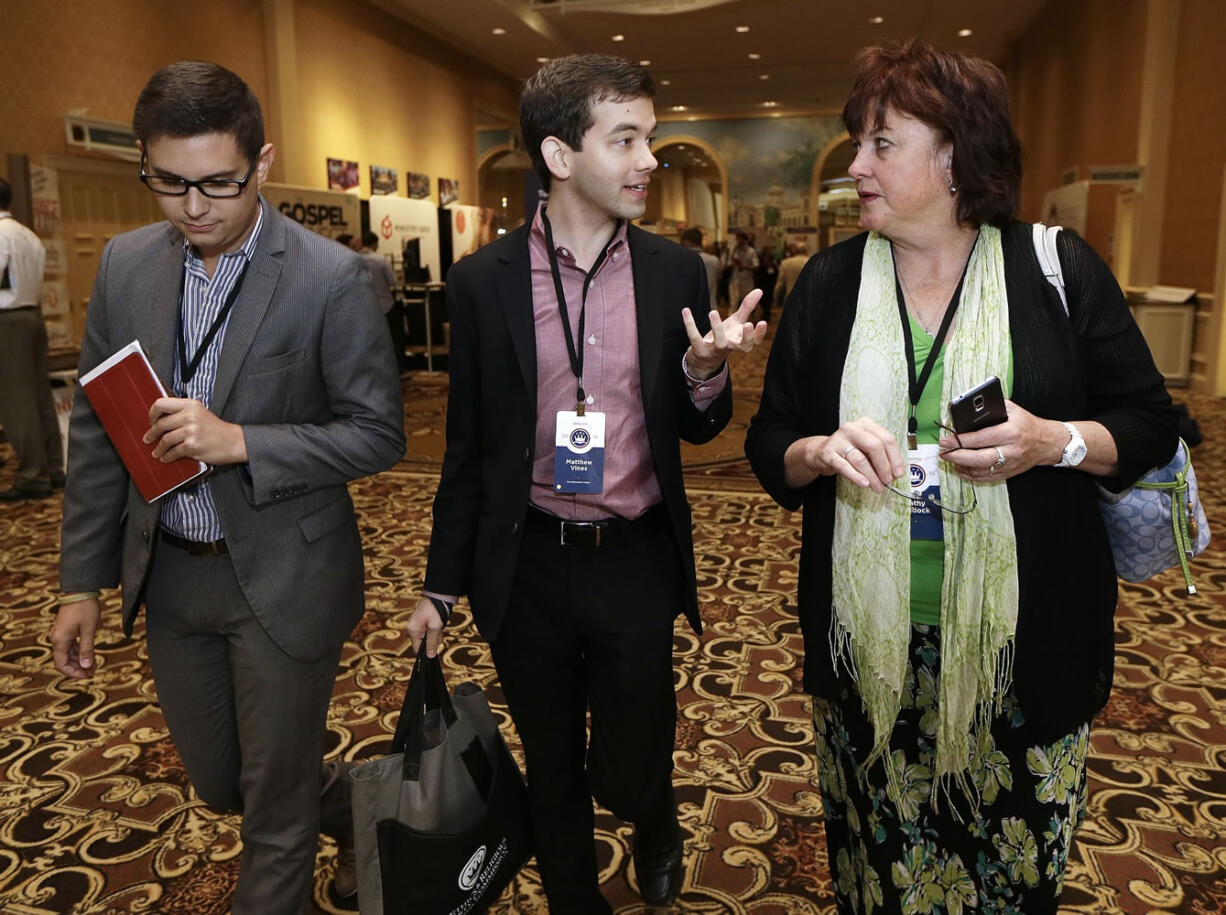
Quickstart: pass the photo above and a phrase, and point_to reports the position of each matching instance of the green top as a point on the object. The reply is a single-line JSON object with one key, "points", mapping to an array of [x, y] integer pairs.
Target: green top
{"points": [[928, 556]]}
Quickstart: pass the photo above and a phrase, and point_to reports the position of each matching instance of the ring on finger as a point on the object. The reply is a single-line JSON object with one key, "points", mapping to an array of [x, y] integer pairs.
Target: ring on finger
{"points": [[1000, 459], [846, 451]]}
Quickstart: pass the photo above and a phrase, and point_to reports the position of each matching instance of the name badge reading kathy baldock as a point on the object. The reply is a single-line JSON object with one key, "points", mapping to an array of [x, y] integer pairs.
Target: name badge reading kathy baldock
{"points": [[925, 484], [578, 456]]}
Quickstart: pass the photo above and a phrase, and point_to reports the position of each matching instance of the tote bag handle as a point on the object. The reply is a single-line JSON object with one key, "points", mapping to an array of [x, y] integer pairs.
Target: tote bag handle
{"points": [[427, 691]]}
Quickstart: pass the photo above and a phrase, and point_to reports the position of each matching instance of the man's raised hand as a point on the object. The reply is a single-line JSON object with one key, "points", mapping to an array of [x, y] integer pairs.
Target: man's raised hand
{"points": [[708, 353]]}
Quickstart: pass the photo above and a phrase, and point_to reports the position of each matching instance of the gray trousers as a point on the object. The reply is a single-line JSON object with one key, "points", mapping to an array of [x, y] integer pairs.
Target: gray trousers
{"points": [[27, 410], [247, 719]]}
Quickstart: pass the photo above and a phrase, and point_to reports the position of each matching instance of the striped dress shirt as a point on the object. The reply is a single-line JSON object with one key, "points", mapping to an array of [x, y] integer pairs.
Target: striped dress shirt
{"points": [[189, 512]]}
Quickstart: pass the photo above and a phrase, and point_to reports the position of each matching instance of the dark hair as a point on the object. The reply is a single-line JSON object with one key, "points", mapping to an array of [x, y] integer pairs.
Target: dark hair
{"points": [[370, 240], [344, 238], [194, 97], [557, 100], [6, 195], [965, 100], [692, 236]]}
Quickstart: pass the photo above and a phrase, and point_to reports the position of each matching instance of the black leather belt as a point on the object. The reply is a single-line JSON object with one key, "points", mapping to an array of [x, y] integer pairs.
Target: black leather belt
{"points": [[195, 547], [605, 532]]}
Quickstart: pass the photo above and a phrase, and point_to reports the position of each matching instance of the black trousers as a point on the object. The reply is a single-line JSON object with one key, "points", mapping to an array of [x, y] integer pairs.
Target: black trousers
{"points": [[589, 630]]}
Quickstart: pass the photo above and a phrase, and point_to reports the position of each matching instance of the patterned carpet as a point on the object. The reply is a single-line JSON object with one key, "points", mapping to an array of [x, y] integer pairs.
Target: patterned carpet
{"points": [[97, 817]]}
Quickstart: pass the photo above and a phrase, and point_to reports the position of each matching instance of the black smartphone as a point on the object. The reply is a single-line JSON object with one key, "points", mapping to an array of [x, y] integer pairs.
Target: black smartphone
{"points": [[980, 407]]}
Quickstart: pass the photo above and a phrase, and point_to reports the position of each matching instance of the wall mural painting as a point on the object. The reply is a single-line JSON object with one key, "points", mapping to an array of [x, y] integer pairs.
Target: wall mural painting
{"points": [[770, 166]]}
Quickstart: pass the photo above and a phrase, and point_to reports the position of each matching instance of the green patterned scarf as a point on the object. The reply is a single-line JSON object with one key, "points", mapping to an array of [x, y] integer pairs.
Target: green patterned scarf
{"points": [[871, 627]]}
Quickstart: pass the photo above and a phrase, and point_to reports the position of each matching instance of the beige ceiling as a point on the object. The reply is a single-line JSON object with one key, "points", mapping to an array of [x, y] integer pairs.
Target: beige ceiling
{"points": [[699, 58]]}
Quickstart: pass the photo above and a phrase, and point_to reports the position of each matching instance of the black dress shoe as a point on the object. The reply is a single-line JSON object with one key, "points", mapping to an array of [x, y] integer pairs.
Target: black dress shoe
{"points": [[659, 870], [17, 493]]}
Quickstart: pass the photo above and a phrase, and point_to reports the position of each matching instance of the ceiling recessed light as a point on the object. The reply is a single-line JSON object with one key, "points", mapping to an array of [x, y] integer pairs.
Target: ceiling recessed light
{"points": [[666, 82], [876, 20], [776, 114], [742, 28], [619, 37], [644, 63], [679, 108], [764, 76], [770, 104], [965, 33], [755, 56], [542, 60], [499, 31]]}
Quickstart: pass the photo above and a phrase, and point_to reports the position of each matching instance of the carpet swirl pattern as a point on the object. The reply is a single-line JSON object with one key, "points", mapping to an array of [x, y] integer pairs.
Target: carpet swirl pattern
{"points": [[96, 815]]}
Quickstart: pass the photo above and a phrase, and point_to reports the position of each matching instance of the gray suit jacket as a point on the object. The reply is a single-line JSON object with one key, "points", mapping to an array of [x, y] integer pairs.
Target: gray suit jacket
{"points": [[307, 370]]}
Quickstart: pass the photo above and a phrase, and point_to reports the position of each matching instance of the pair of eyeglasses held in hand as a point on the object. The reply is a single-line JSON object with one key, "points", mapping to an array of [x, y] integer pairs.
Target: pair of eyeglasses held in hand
{"points": [[933, 500]]}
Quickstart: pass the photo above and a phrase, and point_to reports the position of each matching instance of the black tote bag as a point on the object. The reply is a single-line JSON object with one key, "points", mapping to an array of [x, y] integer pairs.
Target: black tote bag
{"points": [[440, 825]]}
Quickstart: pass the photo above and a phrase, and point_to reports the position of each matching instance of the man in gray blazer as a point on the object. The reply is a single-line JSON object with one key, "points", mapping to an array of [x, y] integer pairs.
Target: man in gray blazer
{"points": [[283, 379]]}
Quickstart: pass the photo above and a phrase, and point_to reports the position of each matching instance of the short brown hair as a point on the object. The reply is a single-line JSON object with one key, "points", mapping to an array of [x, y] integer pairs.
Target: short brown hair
{"points": [[195, 97], [965, 100], [557, 100]]}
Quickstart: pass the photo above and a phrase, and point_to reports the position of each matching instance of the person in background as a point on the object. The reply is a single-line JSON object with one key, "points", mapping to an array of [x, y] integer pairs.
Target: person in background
{"points": [[789, 270], [956, 591], [383, 281], [724, 255], [345, 239], [576, 328], [283, 381], [764, 278], [692, 238], [743, 259], [27, 408]]}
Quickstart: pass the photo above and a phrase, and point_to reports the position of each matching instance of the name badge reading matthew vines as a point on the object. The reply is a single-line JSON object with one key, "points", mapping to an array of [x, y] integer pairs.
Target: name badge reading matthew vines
{"points": [[578, 456]]}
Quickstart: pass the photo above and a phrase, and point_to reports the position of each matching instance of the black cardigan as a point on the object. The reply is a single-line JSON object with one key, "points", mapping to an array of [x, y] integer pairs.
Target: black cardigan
{"points": [[1092, 364]]}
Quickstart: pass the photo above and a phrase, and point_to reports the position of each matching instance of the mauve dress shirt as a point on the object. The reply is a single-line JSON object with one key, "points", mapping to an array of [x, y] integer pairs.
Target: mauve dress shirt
{"points": [[611, 380]]}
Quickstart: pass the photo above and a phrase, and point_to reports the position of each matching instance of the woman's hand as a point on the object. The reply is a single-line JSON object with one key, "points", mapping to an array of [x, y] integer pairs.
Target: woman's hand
{"points": [[861, 450], [1006, 449]]}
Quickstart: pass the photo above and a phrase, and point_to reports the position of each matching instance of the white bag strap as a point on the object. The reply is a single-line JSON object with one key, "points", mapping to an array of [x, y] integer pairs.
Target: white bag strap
{"points": [[1049, 259]]}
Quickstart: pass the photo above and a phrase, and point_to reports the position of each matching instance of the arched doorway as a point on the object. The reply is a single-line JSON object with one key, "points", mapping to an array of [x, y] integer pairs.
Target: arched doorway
{"points": [[688, 188], [504, 179], [834, 206]]}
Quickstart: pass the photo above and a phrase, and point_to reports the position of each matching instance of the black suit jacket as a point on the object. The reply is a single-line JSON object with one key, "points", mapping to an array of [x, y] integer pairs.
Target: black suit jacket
{"points": [[491, 413]]}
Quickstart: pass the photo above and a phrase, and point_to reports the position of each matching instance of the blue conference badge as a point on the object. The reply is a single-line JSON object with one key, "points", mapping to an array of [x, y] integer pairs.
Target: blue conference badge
{"points": [[578, 457], [926, 523]]}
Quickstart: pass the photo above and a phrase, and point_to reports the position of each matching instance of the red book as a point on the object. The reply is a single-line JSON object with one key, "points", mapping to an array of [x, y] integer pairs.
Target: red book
{"points": [[121, 390]]}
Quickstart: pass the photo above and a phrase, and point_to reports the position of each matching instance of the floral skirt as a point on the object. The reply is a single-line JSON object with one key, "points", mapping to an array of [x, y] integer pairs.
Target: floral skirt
{"points": [[1006, 856]]}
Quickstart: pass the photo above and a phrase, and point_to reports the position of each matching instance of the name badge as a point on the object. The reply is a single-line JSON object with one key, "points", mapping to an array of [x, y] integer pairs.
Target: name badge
{"points": [[578, 454], [926, 523]]}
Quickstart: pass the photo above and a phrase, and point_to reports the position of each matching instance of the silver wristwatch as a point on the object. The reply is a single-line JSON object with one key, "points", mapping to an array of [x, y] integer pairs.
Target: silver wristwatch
{"points": [[1075, 450]]}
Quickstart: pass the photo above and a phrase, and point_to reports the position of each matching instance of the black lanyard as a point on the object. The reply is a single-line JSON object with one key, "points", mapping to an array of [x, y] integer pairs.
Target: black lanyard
{"points": [[187, 370], [576, 357], [915, 386]]}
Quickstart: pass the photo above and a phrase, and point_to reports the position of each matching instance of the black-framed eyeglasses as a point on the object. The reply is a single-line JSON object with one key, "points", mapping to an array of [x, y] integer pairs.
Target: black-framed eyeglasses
{"points": [[174, 186], [932, 500], [937, 503]]}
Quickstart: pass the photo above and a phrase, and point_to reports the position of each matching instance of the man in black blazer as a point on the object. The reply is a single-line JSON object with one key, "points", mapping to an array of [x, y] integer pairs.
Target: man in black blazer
{"points": [[576, 367], [284, 381]]}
